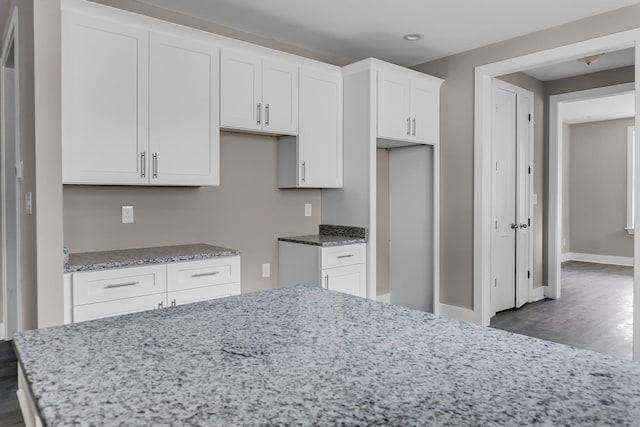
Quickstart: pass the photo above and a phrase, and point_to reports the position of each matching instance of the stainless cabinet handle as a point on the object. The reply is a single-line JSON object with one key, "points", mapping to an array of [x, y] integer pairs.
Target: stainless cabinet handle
{"points": [[514, 226], [173, 303], [143, 165], [414, 127], [160, 304], [259, 112], [304, 171], [266, 114], [121, 285], [408, 125], [326, 281], [155, 165], [212, 273], [523, 226], [346, 256]]}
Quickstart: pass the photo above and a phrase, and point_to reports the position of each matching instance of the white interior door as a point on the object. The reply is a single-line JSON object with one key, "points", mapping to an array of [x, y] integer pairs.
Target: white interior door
{"points": [[505, 226]]}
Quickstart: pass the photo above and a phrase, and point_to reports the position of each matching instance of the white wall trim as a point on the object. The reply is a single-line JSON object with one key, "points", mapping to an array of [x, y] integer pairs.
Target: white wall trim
{"points": [[598, 259], [482, 160], [386, 298], [2, 333], [537, 294], [459, 313]]}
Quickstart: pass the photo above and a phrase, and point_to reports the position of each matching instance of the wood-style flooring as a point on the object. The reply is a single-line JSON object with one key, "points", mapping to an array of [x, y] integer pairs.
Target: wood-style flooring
{"points": [[595, 311], [10, 415]]}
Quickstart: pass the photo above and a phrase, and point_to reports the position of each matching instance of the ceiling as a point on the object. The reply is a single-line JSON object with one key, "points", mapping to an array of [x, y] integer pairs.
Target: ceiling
{"points": [[618, 106], [609, 61], [357, 29]]}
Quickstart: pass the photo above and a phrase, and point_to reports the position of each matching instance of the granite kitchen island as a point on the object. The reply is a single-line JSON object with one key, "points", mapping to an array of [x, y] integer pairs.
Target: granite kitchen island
{"points": [[305, 355]]}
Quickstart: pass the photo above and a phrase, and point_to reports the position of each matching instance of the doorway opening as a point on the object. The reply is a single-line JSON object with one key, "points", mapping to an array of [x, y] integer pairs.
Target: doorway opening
{"points": [[10, 184]]}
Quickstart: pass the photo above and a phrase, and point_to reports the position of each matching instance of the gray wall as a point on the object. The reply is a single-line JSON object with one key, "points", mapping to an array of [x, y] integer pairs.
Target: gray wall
{"points": [[598, 194], [456, 125], [246, 212], [382, 222], [566, 188], [538, 88]]}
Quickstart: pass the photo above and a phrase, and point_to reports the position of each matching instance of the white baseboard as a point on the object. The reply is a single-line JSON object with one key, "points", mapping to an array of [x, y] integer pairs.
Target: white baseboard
{"points": [[598, 259], [458, 313], [537, 294], [1, 331], [384, 298]]}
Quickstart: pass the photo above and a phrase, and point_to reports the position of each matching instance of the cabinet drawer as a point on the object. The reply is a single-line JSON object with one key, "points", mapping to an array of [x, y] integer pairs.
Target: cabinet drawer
{"points": [[108, 285], [203, 294], [198, 274], [338, 256], [117, 308]]}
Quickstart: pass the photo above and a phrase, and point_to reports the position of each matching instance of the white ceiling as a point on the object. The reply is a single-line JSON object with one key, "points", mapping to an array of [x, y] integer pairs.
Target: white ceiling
{"points": [[618, 106], [357, 29], [610, 60]]}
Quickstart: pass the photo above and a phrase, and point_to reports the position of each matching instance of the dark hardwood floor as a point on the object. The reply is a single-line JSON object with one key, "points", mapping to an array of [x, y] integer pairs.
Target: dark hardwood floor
{"points": [[595, 311], [10, 414]]}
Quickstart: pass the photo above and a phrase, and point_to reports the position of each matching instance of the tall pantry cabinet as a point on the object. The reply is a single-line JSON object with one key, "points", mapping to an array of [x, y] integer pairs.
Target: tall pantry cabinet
{"points": [[391, 133]]}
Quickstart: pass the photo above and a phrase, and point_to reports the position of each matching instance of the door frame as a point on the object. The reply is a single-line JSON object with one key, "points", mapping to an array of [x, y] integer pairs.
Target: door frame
{"points": [[530, 178], [482, 159], [554, 248], [11, 40]]}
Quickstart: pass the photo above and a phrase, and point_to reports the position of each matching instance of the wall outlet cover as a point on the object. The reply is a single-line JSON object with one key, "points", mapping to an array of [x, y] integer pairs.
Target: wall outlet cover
{"points": [[307, 209], [127, 214], [266, 270]]}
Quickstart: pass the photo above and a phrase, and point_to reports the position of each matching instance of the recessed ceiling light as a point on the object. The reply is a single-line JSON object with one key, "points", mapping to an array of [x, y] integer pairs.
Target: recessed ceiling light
{"points": [[413, 37]]}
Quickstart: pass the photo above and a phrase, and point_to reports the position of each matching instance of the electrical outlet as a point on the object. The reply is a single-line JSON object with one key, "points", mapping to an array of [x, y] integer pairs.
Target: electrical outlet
{"points": [[266, 270], [127, 214], [307, 209]]}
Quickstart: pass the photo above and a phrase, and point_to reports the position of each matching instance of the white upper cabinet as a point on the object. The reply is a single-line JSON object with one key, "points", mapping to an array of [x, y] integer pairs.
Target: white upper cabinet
{"points": [[320, 137], [408, 107], [139, 107], [104, 101], [258, 94], [184, 136]]}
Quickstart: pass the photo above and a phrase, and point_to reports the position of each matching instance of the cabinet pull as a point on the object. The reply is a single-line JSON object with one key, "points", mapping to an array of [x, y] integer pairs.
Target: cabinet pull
{"points": [[121, 285], [160, 304], [266, 114], [143, 165], [173, 303], [259, 112], [414, 127], [212, 273], [408, 125], [326, 281], [304, 171], [346, 256], [155, 165]]}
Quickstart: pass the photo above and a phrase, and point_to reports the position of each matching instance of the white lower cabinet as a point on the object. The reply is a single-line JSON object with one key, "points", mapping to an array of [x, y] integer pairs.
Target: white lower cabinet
{"points": [[339, 268], [113, 292]]}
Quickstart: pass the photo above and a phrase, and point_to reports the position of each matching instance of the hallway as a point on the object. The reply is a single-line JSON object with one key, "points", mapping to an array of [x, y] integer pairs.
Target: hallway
{"points": [[594, 313]]}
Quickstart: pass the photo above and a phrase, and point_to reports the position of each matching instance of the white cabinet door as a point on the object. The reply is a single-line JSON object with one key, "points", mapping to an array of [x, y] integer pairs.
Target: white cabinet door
{"points": [[320, 130], [101, 310], [394, 117], [350, 280], [240, 91], [104, 101], [280, 98], [202, 294], [184, 132], [425, 111]]}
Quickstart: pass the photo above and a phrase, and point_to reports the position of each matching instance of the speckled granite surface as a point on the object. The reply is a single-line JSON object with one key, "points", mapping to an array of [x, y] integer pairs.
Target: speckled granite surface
{"points": [[309, 356], [87, 261], [331, 235]]}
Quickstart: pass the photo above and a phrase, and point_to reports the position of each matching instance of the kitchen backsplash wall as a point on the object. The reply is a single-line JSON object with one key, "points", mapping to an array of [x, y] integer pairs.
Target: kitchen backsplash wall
{"points": [[246, 212]]}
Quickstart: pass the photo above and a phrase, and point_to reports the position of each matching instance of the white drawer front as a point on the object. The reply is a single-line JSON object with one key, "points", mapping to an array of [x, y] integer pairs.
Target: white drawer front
{"points": [[117, 308], [339, 256], [203, 294], [108, 285], [198, 274]]}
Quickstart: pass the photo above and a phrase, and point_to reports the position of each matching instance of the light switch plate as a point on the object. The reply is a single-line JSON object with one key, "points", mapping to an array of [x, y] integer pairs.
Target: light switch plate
{"points": [[266, 270], [127, 214], [307, 209]]}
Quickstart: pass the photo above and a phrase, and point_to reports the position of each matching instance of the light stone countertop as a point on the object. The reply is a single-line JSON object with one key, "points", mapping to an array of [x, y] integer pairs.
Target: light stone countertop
{"points": [[310, 356], [322, 240], [88, 261]]}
